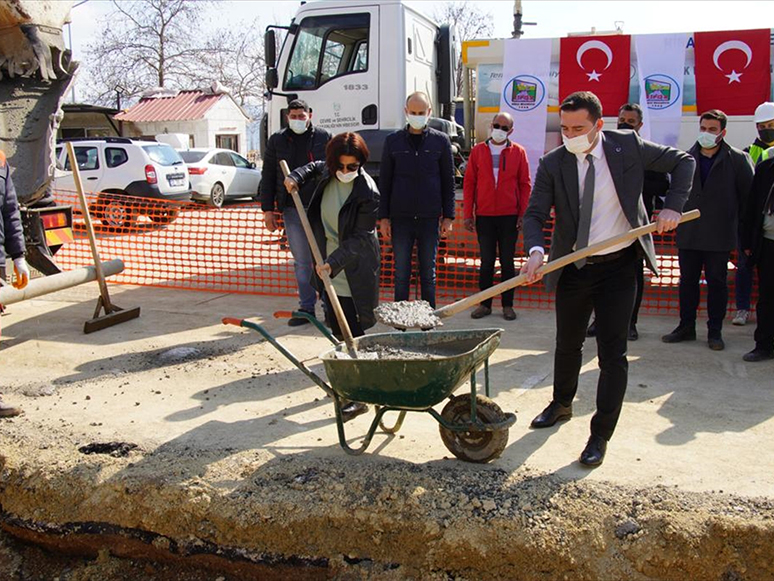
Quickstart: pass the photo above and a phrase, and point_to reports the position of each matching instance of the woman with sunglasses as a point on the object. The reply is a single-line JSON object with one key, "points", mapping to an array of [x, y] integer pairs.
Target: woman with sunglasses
{"points": [[343, 212]]}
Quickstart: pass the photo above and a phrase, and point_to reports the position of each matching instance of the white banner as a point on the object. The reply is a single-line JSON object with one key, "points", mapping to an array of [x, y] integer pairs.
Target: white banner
{"points": [[526, 67], [660, 63]]}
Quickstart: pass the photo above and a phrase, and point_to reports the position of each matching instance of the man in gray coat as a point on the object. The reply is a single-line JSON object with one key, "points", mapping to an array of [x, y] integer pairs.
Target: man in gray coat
{"points": [[721, 185], [594, 183]]}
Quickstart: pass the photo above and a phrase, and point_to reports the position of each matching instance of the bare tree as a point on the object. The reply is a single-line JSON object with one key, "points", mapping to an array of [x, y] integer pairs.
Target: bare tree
{"points": [[236, 60], [470, 23], [144, 43]]}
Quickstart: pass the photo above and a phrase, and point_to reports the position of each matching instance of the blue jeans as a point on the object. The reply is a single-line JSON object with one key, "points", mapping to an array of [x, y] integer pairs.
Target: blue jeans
{"points": [[423, 231], [302, 258]]}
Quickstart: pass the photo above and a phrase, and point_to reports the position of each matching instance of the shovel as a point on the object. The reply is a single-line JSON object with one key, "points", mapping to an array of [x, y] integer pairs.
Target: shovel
{"points": [[113, 314], [389, 314], [318, 260]]}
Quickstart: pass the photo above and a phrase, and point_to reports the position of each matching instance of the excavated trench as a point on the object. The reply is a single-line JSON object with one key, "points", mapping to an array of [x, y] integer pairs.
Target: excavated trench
{"points": [[312, 518]]}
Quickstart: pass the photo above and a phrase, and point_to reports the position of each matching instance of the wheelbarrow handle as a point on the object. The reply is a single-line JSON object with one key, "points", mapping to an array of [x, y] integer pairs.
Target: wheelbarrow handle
{"points": [[232, 321]]}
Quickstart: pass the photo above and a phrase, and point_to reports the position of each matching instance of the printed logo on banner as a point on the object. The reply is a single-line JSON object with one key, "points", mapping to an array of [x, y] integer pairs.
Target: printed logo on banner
{"points": [[661, 91], [524, 93]]}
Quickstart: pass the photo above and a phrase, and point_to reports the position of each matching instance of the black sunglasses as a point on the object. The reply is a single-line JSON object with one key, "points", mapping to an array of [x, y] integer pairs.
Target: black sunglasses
{"points": [[349, 167], [498, 126]]}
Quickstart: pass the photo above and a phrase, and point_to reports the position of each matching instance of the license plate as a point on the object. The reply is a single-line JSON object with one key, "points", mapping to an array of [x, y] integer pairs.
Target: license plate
{"points": [[176, 182]]}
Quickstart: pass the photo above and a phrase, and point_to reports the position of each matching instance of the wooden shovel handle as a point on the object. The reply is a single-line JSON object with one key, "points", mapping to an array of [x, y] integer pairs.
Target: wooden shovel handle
{"points": [[318, 259], [493, 291]]}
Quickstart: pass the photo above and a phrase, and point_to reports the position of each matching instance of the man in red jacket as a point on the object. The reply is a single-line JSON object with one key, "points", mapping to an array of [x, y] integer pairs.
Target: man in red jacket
{"points": [[496, 192]]}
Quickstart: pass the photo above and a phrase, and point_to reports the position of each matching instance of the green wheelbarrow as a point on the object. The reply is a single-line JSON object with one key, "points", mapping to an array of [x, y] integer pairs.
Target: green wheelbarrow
{"points": [[472, 426]]}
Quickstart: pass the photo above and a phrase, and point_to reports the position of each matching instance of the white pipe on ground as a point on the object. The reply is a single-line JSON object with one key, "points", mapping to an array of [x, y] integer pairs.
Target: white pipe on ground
{"points": [[56, 282]]}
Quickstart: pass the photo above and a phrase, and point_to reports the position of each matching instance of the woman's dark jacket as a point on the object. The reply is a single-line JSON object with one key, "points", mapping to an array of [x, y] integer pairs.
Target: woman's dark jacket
{"points": [[358, 252]]}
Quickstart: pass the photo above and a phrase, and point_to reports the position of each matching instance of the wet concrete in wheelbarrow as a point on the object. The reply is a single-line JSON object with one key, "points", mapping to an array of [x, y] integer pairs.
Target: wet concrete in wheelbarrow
{"points": [[237, 469]]}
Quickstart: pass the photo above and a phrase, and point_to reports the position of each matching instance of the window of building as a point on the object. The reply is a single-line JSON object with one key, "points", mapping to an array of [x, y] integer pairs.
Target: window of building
{"points": [[227, 142]]}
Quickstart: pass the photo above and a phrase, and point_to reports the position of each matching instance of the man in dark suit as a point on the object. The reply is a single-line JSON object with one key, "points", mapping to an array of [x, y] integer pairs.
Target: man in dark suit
{"points": [[721, 185], [594, 183]]}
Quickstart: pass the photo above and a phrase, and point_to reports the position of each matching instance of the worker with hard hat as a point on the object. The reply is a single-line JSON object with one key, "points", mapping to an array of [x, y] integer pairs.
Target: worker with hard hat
{"points": [[764, 124], [760, 150]]}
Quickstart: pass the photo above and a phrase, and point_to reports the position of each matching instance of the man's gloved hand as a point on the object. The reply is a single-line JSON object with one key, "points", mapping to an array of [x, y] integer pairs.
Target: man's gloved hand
{"points": [[21, 273]]}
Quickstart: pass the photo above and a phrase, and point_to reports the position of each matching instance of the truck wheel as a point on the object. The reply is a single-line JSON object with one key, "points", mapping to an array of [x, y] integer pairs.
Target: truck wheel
{"points": [[217, 195], [114, 211], [480, 447]]}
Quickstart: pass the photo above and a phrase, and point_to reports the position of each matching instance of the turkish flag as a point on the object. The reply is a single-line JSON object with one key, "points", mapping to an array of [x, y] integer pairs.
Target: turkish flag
{"points": [[733, 70], [600, 64]]}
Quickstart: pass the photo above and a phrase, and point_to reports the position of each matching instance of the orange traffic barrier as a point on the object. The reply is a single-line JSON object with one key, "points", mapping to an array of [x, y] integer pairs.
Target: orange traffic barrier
{"points": [[185, 245]]}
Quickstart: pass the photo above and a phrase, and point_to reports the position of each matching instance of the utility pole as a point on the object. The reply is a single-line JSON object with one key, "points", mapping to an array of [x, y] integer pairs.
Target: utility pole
{"points": [[517, 20]]}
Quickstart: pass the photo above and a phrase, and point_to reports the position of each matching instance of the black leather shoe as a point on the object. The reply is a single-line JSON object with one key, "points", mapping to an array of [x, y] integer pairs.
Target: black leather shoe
{"points": [[633, 334], [680, 334], [592, 330], [594, 452], [555, 412], [352, 409], [758, 354], [480, 312], [298, 321], [716, 343]]}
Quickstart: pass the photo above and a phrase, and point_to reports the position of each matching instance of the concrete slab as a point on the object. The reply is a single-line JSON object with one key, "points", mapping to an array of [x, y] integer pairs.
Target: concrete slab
{"points": [[219, 416]]}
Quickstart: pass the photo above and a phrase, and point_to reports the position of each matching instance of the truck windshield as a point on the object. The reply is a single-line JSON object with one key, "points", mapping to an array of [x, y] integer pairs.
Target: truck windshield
{"points": [[162, 154], [327, 47]]}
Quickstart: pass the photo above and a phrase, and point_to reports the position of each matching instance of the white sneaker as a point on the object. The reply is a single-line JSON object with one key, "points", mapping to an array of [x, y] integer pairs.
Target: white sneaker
{"points": [[740, 319]]}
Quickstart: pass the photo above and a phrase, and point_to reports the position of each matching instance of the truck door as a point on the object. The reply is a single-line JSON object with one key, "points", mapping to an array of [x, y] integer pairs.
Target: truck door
{"points": [[333, 65]]}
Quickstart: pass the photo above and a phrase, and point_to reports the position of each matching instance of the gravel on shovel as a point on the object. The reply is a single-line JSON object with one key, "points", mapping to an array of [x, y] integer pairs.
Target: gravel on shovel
{"points": [[408, 315]]}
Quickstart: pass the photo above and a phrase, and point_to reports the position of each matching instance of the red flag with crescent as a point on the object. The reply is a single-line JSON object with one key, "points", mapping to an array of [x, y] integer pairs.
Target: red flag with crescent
{"points": [[733, 70], [600, 64]]}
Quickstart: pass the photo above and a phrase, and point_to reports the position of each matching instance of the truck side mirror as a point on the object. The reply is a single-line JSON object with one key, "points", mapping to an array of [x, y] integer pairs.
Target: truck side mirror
{"points": [[270, 49], [447, 63], [272, 79]]}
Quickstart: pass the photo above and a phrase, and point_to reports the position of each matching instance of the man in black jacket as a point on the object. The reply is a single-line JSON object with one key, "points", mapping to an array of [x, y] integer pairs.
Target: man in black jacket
{"points": [[416, 182], [757, 241], [12, 244], [298, 144], [721, 184]]}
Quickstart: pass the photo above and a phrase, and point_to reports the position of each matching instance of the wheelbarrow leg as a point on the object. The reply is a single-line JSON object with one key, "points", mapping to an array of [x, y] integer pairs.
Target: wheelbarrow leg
{"points": [[369, 435], [398, 423], [486, 376]]}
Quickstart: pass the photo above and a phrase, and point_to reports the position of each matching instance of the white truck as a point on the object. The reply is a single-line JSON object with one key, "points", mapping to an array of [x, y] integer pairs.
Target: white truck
{"points": [[354, 63]]}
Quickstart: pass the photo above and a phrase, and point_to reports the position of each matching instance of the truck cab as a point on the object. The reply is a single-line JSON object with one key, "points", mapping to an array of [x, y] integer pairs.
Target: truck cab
{"points": [[355, 63]]}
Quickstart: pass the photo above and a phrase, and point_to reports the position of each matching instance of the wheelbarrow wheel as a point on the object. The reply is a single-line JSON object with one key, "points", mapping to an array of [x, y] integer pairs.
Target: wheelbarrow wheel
{"points": [[474, 446]]}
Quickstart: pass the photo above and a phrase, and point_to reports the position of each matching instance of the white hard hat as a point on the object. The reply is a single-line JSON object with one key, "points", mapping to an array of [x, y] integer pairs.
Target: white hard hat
{"points": [[764, 112]]}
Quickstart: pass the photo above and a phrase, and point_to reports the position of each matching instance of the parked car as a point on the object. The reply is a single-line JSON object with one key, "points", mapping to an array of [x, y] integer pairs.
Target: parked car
{"points": [[122, 170], [219, 174]]}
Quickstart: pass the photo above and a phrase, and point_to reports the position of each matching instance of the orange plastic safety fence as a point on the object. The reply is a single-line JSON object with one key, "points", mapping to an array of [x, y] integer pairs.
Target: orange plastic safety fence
{"points": [[185, 245]]}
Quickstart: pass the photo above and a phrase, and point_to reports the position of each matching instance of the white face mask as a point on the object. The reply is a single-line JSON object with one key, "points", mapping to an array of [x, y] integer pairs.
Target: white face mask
{"points": [[578, 144], [345, 178], [298, 125], [499, 135], [417, 121], [707, 140]]}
